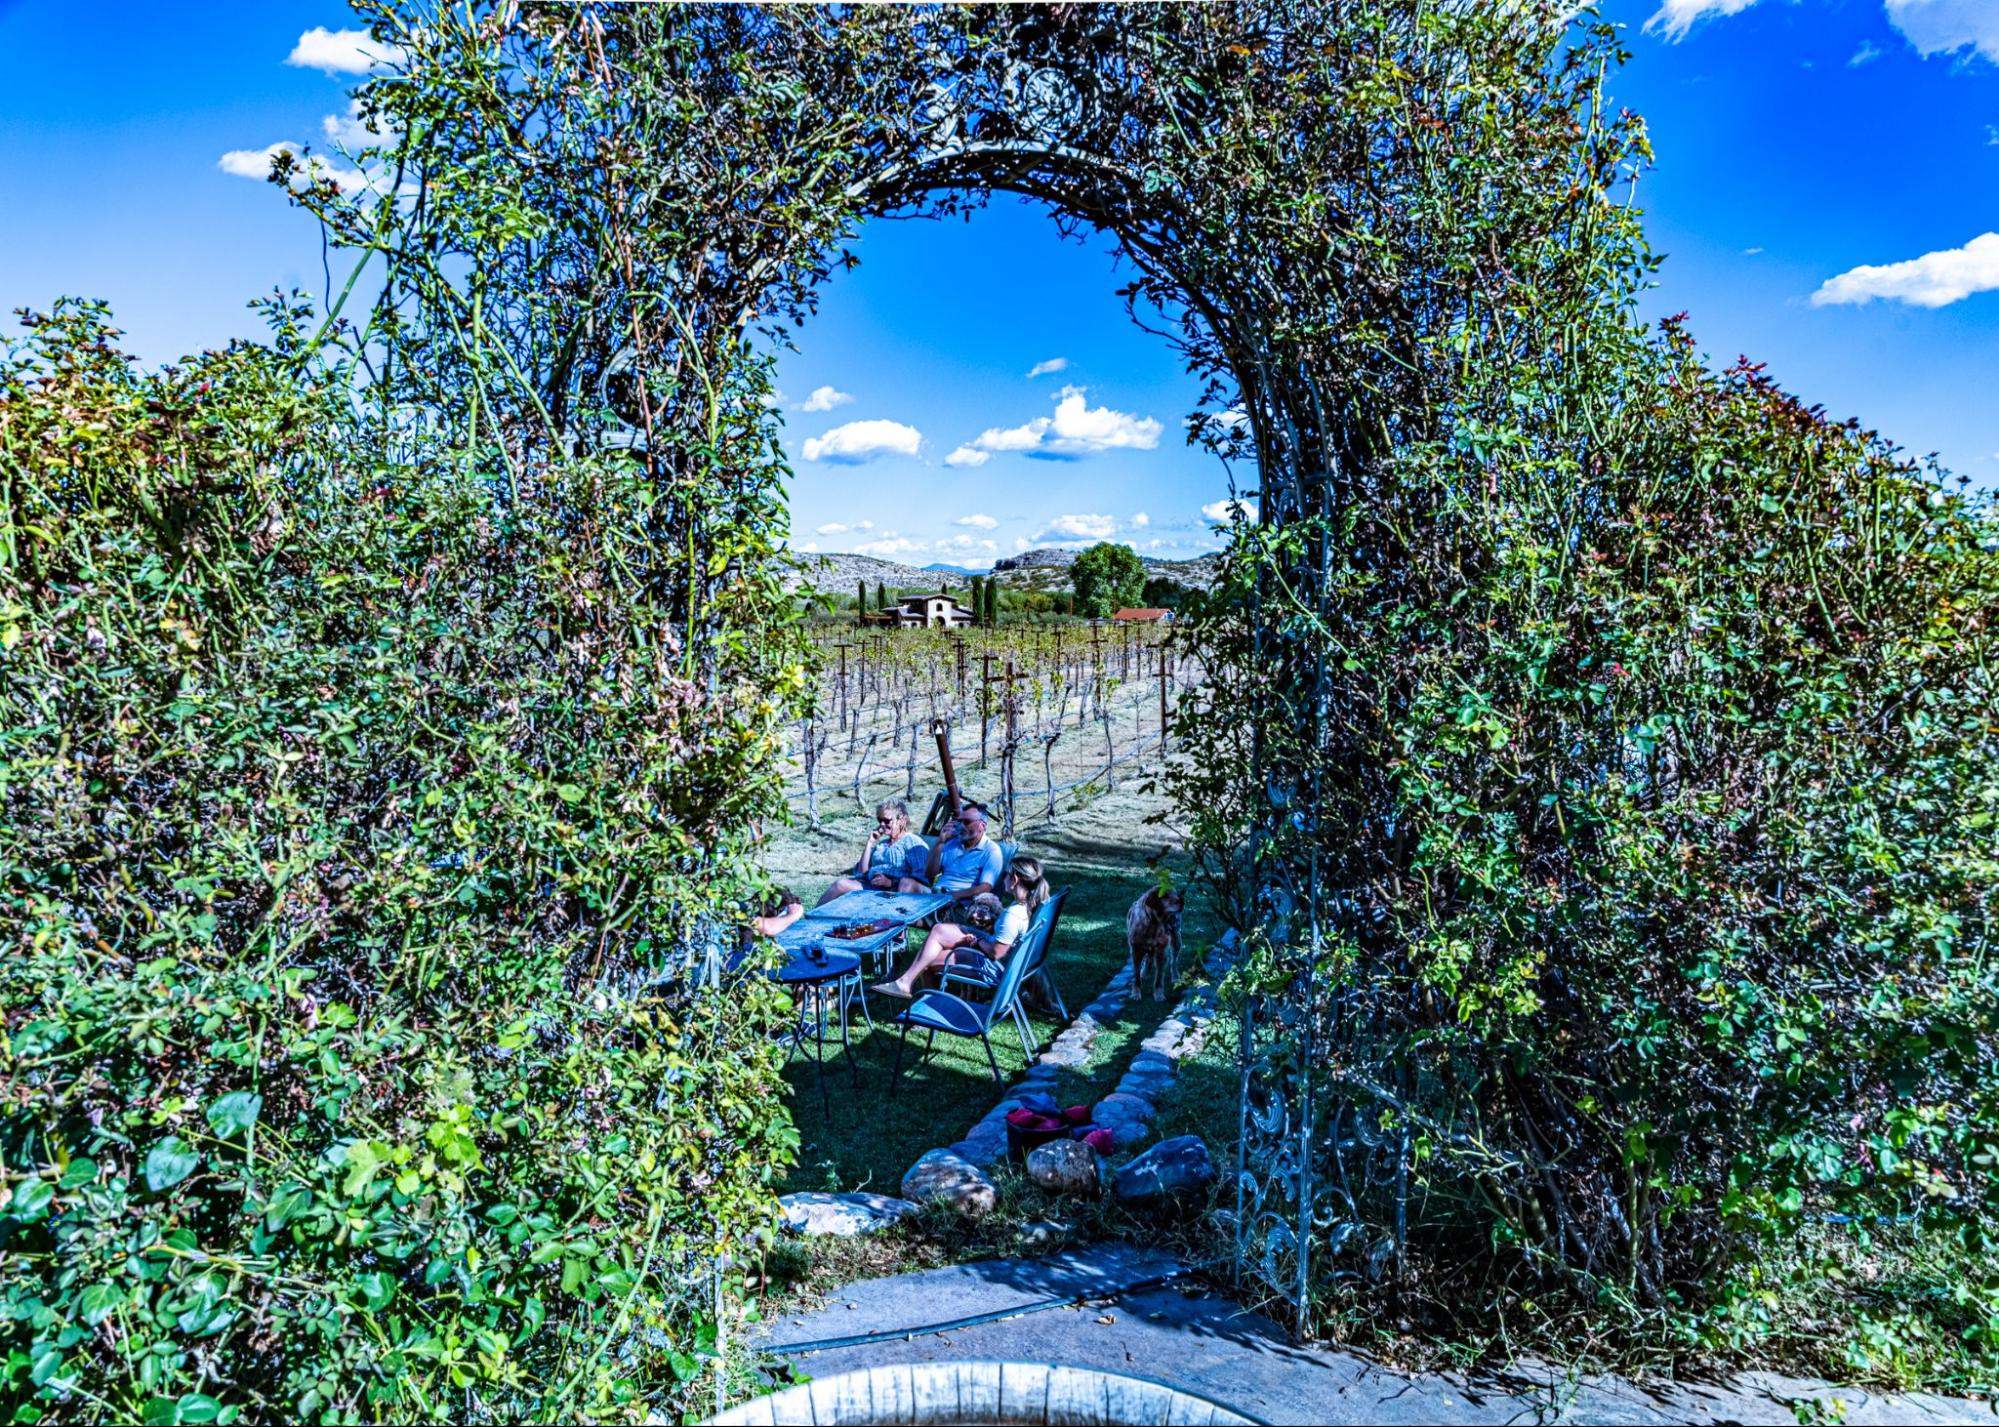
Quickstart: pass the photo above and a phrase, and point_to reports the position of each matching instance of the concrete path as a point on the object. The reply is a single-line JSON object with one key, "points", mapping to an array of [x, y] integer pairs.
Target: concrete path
{"points": [[1124, 1310]]}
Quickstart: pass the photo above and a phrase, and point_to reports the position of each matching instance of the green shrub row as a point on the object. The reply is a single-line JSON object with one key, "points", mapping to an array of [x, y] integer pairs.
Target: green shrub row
{"points": [[350, 813]]}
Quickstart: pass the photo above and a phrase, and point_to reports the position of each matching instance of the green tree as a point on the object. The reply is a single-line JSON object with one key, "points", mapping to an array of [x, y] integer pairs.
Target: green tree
{"points": [[881, 594], [978, 599], [1164, 593], [1106, 578], [860, 601]]}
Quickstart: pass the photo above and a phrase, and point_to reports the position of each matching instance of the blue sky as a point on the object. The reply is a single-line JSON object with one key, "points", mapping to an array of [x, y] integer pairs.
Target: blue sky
{"points": [[1827, 197]]}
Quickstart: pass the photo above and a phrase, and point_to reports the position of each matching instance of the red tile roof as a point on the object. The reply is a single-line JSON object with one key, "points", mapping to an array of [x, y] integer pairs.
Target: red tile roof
{"points": [[1139, 616]]}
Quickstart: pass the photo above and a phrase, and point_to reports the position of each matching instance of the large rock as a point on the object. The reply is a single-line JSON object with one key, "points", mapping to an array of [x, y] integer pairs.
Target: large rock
{"points": [[842, 1216], [1172, 1170], [1125, 1116], [1067, 1167], [956, 1181]]}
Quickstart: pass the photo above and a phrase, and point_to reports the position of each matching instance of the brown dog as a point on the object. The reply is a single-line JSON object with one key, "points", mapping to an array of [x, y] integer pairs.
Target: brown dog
{"points": [[1152, 929]]}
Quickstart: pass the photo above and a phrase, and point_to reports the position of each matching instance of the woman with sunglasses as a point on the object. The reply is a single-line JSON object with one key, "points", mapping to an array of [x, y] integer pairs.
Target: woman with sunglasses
{"points": [[1026, 888], [891, 851]]}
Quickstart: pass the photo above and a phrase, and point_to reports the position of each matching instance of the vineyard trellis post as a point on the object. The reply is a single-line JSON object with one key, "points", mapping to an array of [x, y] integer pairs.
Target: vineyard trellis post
{"points": [[985, 698], [1008, 749]]}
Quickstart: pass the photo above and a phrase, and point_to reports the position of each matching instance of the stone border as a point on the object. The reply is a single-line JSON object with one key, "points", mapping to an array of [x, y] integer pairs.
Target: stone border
{"points": [[1129, 1109]]}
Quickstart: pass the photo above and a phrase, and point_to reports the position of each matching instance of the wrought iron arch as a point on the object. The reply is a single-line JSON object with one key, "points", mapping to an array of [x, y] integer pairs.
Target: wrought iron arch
{"points": [[1054, 107]]}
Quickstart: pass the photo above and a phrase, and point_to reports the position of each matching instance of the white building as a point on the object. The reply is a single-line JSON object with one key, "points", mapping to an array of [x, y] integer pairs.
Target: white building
{"points": [[940, 611]]}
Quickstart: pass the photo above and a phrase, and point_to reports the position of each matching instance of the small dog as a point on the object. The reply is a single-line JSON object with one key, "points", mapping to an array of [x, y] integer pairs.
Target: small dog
{"points": [[1152, 929]]}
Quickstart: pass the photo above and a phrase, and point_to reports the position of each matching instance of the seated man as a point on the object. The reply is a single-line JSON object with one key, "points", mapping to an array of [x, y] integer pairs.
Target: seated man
{"points": [[892, 853], [965, 863]]}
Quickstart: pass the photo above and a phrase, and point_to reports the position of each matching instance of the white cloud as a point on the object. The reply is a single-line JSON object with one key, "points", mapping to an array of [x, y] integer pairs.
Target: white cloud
{"points": [[1220, 513], [968, 456], [1021, 542], [256, 163], [1933, 280], [889, 547], [1076, 429], [1141, 520], [810, 547], [1082, 527], [352, 132], [1946, 26], [1676, 17], [833, 528], [964, 544], [340, 51], [1012, 438], [1042, 369], [824, 398], [1932, 26], [1750, 252], [859, 441], [981, 522]]}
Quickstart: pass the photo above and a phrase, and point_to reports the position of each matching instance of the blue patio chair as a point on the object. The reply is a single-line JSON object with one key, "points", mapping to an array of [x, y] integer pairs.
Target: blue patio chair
{"points": [[1052, 909], [976, 969], [952, 1014]]}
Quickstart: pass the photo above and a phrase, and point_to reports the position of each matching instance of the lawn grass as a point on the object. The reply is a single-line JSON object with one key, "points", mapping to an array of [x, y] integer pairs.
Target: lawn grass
{"points": [[1099, 851]]}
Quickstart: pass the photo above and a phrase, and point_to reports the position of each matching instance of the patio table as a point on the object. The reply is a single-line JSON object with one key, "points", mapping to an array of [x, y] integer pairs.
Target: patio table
{"points": [[801, 936], [867, 905], [817, 976]]}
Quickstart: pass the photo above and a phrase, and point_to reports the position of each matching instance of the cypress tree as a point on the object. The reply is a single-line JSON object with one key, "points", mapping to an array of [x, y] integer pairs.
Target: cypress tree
{"points": [[860, 601], [881, 594], [978, 599]]}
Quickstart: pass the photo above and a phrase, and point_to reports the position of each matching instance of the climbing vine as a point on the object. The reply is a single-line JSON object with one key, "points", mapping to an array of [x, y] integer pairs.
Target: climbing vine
{"points": [[391, 707]]}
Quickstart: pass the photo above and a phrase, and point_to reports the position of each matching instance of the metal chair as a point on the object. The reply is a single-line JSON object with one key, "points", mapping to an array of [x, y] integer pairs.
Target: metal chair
{"points": [[936, 1011], [975, 968]]}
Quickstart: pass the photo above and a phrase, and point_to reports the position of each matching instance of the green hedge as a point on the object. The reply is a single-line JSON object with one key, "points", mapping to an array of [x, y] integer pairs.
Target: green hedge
{"points": [[351, 806]]}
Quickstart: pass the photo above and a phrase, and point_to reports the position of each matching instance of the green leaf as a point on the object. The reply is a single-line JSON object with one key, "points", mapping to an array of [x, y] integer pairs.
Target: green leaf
{"points": [[235, 1113], [98, 1302], [31, 1198], [365, 1159], [168, 1163], [377, 1288], [286, 1205], [196, 1407]]}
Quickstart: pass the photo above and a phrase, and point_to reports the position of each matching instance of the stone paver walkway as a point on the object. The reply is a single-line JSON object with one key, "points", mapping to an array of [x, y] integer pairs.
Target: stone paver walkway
{"points": [[1124, 1310], [1132, 1105]]}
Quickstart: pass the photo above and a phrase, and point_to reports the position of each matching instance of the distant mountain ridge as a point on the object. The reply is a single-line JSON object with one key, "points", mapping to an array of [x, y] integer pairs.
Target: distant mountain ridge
{"points": [[1044, 568]]}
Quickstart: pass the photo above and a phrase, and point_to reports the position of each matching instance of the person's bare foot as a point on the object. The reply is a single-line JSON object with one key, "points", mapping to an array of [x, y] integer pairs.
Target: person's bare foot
{"points": [[890, 988]]}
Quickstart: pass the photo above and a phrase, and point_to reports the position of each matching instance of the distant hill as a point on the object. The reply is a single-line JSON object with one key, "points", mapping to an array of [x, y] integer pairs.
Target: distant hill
{"points": [[1046, 568], [838, 574]]}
